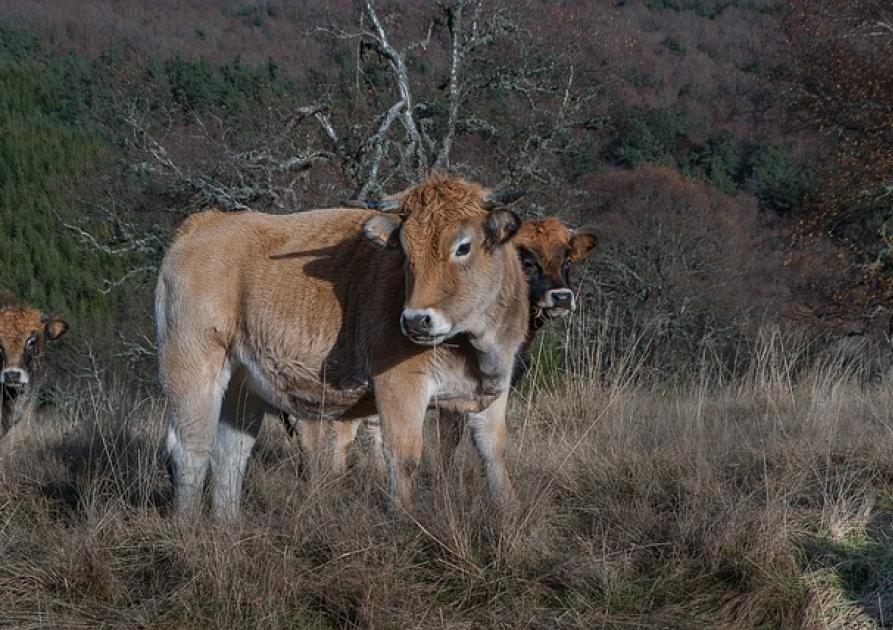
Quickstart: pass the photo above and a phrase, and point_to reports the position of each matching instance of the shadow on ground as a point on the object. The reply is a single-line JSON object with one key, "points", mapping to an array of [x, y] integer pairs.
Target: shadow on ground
{"points": [[859, 564]]}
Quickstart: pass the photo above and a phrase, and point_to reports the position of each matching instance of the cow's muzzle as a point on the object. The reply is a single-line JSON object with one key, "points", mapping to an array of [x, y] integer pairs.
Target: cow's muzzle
{"points": [[424, 326], [557, 302], [14, 378]]}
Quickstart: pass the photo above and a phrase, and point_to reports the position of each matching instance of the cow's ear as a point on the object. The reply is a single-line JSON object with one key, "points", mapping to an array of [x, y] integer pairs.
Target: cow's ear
{"points": [[582, 243], [383, 230], [500, 226], [55, 328]]}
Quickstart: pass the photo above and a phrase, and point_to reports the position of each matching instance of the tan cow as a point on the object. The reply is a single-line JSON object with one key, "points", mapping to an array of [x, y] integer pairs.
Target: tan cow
{"points": [[549, 254], [24, 332], [310, 313]]}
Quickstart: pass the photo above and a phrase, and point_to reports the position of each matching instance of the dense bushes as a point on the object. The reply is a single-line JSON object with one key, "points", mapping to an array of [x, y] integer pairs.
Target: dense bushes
{"points": [[657, 136], [689, 267]]}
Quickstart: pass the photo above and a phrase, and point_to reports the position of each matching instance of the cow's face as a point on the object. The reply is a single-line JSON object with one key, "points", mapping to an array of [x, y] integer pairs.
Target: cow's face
{"points": [[550, 253], [23, 334], [455, 239]]}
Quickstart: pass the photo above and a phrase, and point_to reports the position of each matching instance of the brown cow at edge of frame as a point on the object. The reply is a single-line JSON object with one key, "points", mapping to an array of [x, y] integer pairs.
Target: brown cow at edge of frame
{"points": [[550, 252], [24, 333], [312, 312]]}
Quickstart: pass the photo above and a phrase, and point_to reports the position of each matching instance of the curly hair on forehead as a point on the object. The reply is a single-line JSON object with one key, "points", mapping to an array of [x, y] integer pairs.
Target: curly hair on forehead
{"points": [[443, 197]]}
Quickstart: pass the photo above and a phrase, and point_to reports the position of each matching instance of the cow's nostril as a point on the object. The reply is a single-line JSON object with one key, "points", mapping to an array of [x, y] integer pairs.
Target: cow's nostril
{"points": [[562, 298], [12, 377], [418, 324]]}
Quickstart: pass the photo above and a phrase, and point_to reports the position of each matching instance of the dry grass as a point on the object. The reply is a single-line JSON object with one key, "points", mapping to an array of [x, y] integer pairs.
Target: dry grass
{"points": [[765, 502]]}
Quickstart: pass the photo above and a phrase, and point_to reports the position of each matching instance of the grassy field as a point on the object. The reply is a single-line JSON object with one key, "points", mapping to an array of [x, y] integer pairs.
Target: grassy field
{"points": [[764, 502]]}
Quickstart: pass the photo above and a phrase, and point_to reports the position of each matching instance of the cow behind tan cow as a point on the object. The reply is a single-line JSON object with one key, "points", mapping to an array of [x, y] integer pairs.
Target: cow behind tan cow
{"points": [[550, 253], [310, 313], [24, 332]]}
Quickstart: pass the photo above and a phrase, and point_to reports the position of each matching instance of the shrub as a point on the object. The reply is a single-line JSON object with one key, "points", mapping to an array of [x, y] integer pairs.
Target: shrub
{"points": [[778, 180], [687, 266], [720, 161], [647, 137]]}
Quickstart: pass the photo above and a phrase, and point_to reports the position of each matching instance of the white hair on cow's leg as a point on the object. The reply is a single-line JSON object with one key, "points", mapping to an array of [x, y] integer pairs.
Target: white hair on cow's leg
{"points": [[192, 424], [488, 432], [241, 415]]}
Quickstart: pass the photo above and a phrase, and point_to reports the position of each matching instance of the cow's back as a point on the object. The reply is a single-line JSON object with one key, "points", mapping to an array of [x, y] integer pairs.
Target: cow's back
{"points": [[291, 298]]}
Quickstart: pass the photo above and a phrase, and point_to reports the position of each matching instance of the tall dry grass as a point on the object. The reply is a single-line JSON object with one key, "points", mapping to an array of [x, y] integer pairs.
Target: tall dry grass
{"points": [[760, 501]]}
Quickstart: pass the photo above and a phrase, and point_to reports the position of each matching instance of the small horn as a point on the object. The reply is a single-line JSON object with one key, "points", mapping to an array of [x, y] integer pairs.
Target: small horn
{"points": [[502, 198], [387, 205], [383, 205], [356, 203]]}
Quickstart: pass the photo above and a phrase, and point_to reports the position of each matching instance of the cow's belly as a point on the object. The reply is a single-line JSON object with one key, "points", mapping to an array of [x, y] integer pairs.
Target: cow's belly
{"points": [[297, 388], [457, 390]]}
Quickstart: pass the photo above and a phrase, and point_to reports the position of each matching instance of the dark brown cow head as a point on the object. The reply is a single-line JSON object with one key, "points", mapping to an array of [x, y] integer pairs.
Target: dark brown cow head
{"points": [[550, 253], [455, 237]]}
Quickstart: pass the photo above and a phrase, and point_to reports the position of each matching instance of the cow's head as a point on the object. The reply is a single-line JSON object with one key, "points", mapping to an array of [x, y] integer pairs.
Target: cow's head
{"points": [[455, 236], [24, 332], [550, 253]]}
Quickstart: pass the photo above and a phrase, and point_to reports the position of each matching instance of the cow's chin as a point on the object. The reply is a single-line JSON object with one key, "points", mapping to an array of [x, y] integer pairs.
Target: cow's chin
{"points": [[556, 312], [13, 389], [427, 340]]}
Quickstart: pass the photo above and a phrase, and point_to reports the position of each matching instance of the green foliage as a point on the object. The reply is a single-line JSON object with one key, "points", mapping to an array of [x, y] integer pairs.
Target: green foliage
{"points": [[648, 137], [674, 46], [580, 160], [197, 86], [720, 161], [662, 137], [780, 182], [546, 360], [44, 151]]}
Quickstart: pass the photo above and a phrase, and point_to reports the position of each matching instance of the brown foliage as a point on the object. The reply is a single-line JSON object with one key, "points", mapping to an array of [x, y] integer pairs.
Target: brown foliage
{"points": [[695, 264], [842, 53]]}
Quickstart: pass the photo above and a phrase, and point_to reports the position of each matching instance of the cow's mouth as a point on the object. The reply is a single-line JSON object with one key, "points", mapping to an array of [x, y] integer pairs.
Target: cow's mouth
{"points": [[553, 312], [426, 340]]}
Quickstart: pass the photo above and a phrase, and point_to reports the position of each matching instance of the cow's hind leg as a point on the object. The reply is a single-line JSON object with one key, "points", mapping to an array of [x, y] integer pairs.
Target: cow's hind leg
{"points": [[345, 433], [241, 417], [195, 387], [312, 435], [488, 431]]}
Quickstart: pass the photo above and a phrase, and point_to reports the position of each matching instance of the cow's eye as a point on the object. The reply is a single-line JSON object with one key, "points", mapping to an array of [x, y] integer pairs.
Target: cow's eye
{"points": [[463, 249], [529, 262], [32, 341]]}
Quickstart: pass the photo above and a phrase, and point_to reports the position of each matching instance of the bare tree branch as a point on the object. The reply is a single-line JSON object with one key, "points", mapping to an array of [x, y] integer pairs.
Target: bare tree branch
{"points": [[377, 142]]}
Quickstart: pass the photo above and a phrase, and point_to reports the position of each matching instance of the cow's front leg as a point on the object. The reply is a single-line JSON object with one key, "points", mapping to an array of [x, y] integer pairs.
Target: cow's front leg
{"points": [[489, 433], [401, 408], [494, 367]]}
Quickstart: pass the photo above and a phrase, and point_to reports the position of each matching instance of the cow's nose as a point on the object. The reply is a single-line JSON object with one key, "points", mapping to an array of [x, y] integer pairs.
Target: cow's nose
{"points": [[416, 323], [563, 298], [12, 377]]}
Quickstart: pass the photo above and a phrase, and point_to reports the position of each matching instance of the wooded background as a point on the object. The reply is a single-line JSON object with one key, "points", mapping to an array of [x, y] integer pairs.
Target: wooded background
{"points": [[735, 156]]}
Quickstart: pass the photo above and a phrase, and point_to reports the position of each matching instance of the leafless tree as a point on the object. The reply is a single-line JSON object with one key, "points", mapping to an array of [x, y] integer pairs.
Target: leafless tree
{"points": [[398, 139]]}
